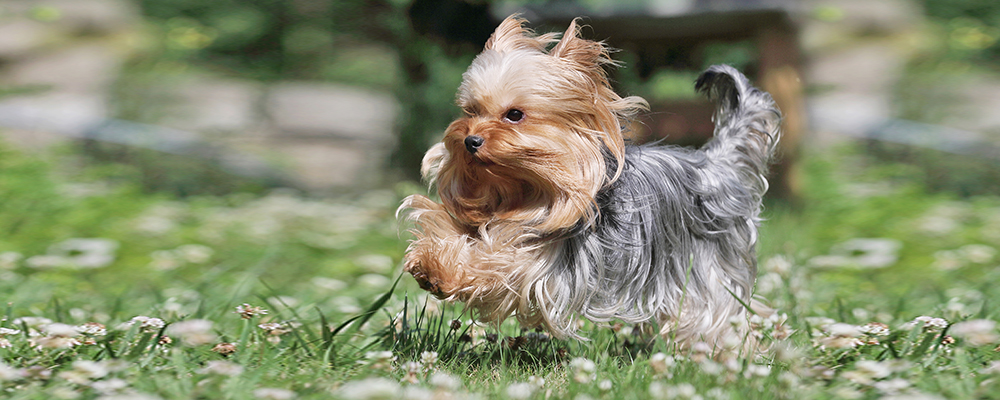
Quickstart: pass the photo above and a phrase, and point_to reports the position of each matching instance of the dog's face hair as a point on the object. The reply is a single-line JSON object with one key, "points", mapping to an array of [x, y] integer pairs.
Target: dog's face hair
{"points": [[538, 123]]}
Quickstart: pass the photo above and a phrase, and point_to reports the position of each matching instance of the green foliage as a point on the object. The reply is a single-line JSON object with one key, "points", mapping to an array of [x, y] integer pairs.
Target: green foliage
{"points": [[37, 211], [254, 37], [971, 27]]}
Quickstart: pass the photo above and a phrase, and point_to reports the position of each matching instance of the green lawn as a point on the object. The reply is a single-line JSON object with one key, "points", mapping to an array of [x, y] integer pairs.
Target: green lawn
{"points": [[883, 291]]}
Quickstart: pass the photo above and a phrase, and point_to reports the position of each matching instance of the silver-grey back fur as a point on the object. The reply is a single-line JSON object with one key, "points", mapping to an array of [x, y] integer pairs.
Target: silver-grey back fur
{"points": [[675, 238]]}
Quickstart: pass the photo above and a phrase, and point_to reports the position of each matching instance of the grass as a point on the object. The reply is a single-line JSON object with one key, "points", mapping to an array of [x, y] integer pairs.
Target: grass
{"points": [[282, 296]]}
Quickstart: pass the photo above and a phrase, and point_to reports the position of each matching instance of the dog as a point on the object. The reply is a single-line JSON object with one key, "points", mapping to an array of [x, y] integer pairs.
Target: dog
{"points": [[548, 215]]}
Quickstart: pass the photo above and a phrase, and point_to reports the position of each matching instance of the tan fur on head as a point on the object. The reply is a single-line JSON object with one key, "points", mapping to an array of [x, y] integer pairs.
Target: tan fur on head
{"points": [[544, 171]]}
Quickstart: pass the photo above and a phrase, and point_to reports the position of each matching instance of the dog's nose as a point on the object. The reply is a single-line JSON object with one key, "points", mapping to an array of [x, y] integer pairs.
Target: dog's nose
{"points": [[473, 143]]}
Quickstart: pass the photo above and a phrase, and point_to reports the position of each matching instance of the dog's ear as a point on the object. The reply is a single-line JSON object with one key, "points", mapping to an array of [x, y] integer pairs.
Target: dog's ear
{"points": [[585, 53], [512, 35]]}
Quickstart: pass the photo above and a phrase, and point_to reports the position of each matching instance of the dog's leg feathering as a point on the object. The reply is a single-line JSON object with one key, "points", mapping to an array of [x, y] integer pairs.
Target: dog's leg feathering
{"points": [[455, 262], [438, 239]]}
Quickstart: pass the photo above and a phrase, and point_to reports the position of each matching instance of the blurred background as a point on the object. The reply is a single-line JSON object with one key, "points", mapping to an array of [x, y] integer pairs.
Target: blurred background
{"points": [[343, 96], [177, 158]]}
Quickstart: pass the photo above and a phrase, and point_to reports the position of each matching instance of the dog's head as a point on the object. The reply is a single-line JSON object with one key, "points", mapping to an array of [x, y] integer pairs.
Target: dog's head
{"points": [[540, 118]]}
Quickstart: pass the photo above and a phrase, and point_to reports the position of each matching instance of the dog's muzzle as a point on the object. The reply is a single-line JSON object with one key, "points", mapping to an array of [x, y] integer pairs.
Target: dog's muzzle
{"points": [[473, 143]]}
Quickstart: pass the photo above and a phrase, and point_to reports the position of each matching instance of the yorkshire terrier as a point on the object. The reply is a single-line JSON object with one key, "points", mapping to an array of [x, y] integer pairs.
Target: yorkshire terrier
{"points": [[547, 214]]}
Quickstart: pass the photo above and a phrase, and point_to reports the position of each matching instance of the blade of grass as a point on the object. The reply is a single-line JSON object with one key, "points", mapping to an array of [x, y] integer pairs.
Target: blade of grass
{"points": [[368, 313], [140, 347], [325, 331]]}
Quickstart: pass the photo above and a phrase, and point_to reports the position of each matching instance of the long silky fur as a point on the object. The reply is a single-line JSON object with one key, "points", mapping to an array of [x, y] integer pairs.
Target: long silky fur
{"points": [[676, 234], [669, 238]]}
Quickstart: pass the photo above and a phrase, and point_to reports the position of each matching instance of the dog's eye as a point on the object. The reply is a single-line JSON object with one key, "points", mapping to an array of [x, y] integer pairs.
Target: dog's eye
{"points": [[514, 115]]}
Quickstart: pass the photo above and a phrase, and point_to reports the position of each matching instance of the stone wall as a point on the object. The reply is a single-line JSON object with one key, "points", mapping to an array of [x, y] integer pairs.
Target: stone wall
{"points": [[60, 68]]}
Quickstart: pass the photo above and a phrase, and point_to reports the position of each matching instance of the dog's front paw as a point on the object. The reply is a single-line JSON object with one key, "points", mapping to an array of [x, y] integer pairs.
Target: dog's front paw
{"points": [[428, 273], [426, 282]]}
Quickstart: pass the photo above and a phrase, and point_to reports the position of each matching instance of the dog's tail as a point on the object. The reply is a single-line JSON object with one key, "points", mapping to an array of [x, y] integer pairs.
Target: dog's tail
{"points": [[746, 124]]}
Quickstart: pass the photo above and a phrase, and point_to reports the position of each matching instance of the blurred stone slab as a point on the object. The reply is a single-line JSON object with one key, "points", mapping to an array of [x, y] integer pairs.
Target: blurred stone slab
{"points": [[322, 136], [32, 139], [870, 67], [65, 113], [318, 109], [66, 90], [979, 99], [849, 114], [856, 88], [82, 68], [213, 105], [322, 165], [20, 36]]}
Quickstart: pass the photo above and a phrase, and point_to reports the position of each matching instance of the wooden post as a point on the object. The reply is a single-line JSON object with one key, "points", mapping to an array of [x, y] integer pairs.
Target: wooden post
{"points": [[780, 75]]}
